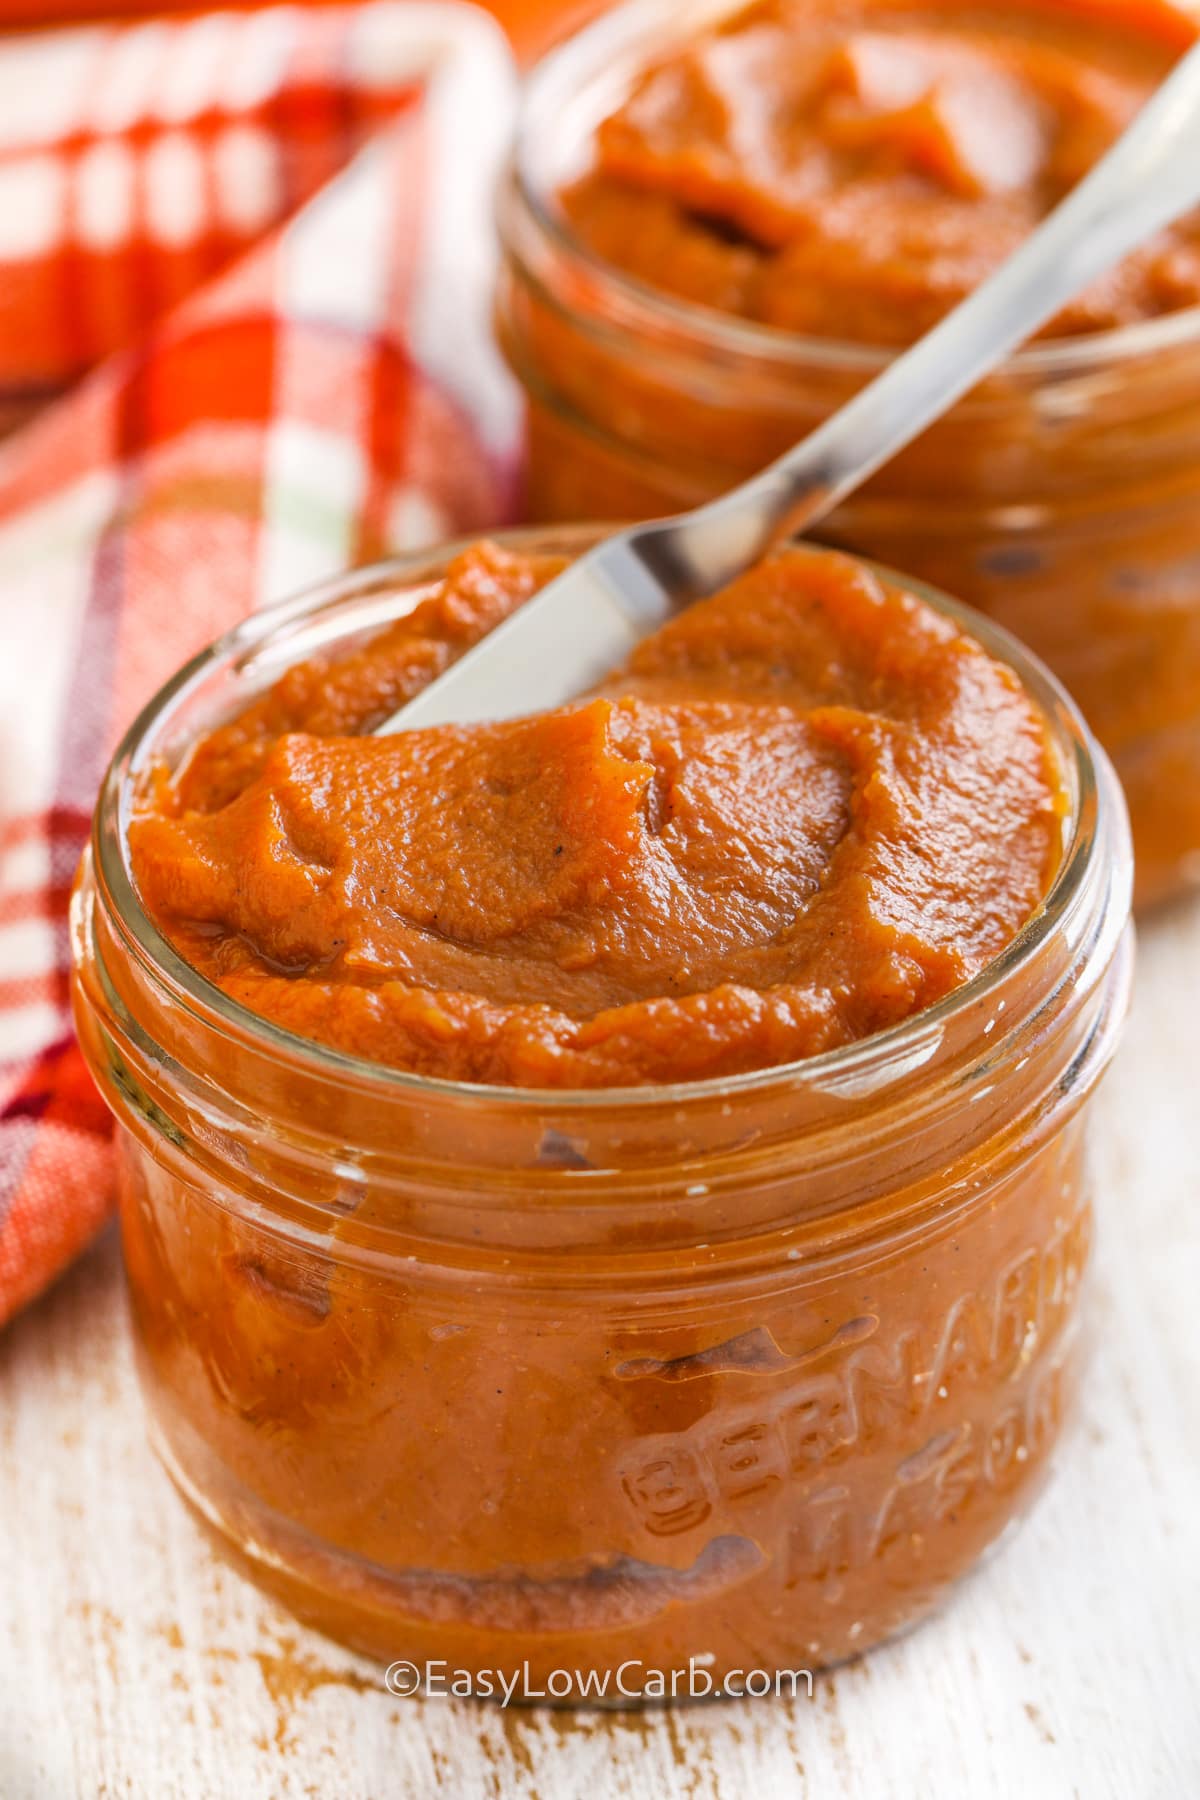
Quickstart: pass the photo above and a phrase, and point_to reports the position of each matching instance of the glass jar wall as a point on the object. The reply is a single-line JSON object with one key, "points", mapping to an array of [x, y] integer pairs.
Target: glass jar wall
{"points": [[747, 1371]]}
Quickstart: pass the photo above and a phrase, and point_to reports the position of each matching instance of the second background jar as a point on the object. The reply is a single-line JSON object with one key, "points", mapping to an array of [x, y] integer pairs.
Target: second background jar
{"points": [[1062, 497]]}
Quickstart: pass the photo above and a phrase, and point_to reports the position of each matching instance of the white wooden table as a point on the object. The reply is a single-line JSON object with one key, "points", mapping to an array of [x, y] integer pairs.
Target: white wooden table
{"points": [[131, 1662]]}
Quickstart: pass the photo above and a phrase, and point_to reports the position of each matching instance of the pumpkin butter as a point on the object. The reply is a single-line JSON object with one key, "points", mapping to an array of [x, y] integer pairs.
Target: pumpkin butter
{"points": [[805, 810], [723, 1305], [855, 168]]}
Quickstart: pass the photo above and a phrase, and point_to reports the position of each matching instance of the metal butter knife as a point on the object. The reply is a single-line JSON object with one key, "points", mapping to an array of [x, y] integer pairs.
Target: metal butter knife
{"points": [[584, 624]]}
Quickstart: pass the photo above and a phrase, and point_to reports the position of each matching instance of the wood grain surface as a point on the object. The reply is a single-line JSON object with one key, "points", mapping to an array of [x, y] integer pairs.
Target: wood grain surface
{"points": [[133, 1663]]}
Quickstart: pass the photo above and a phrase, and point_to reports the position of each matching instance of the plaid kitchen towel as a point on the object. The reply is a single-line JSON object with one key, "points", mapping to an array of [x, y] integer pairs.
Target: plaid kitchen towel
{"points": [[251, 254]]}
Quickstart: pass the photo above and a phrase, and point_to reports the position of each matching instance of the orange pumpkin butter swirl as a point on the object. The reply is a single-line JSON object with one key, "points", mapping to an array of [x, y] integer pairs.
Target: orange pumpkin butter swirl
{"points": [[854, 168], [804, 811]]}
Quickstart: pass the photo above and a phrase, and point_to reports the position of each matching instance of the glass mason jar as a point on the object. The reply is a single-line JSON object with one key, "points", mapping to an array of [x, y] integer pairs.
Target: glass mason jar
{"points": [[1062, 497], [744, 1371]]}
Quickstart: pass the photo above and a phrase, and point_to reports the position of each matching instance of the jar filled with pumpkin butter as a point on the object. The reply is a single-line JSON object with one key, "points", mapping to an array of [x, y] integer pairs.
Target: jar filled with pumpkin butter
{"points": [[721, 221], [608, 1191]]}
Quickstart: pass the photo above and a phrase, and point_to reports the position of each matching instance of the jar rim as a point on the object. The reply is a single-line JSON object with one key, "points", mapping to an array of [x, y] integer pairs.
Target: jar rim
{"points": [[726, 333], [1090, 787]]}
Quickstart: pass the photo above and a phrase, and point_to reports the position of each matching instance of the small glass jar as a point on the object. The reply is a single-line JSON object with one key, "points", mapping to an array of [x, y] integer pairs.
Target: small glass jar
{"points": [[1062, 497], [692, 1379]]}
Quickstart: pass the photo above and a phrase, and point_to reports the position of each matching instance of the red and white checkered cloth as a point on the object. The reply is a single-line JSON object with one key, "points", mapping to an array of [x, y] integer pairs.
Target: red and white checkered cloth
{"points": [[255, 248]]}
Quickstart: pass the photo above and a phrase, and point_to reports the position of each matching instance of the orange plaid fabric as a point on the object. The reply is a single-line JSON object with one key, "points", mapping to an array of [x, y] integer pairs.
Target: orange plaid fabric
{"points": [[244, 275]]}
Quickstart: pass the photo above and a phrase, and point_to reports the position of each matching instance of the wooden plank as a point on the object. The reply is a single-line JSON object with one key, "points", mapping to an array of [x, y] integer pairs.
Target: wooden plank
{"points": [[132, 1663]]}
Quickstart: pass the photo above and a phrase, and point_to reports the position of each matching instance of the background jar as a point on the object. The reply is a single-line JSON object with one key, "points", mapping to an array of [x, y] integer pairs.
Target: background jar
{"points": [[748, 1370], [1062, 497]]}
